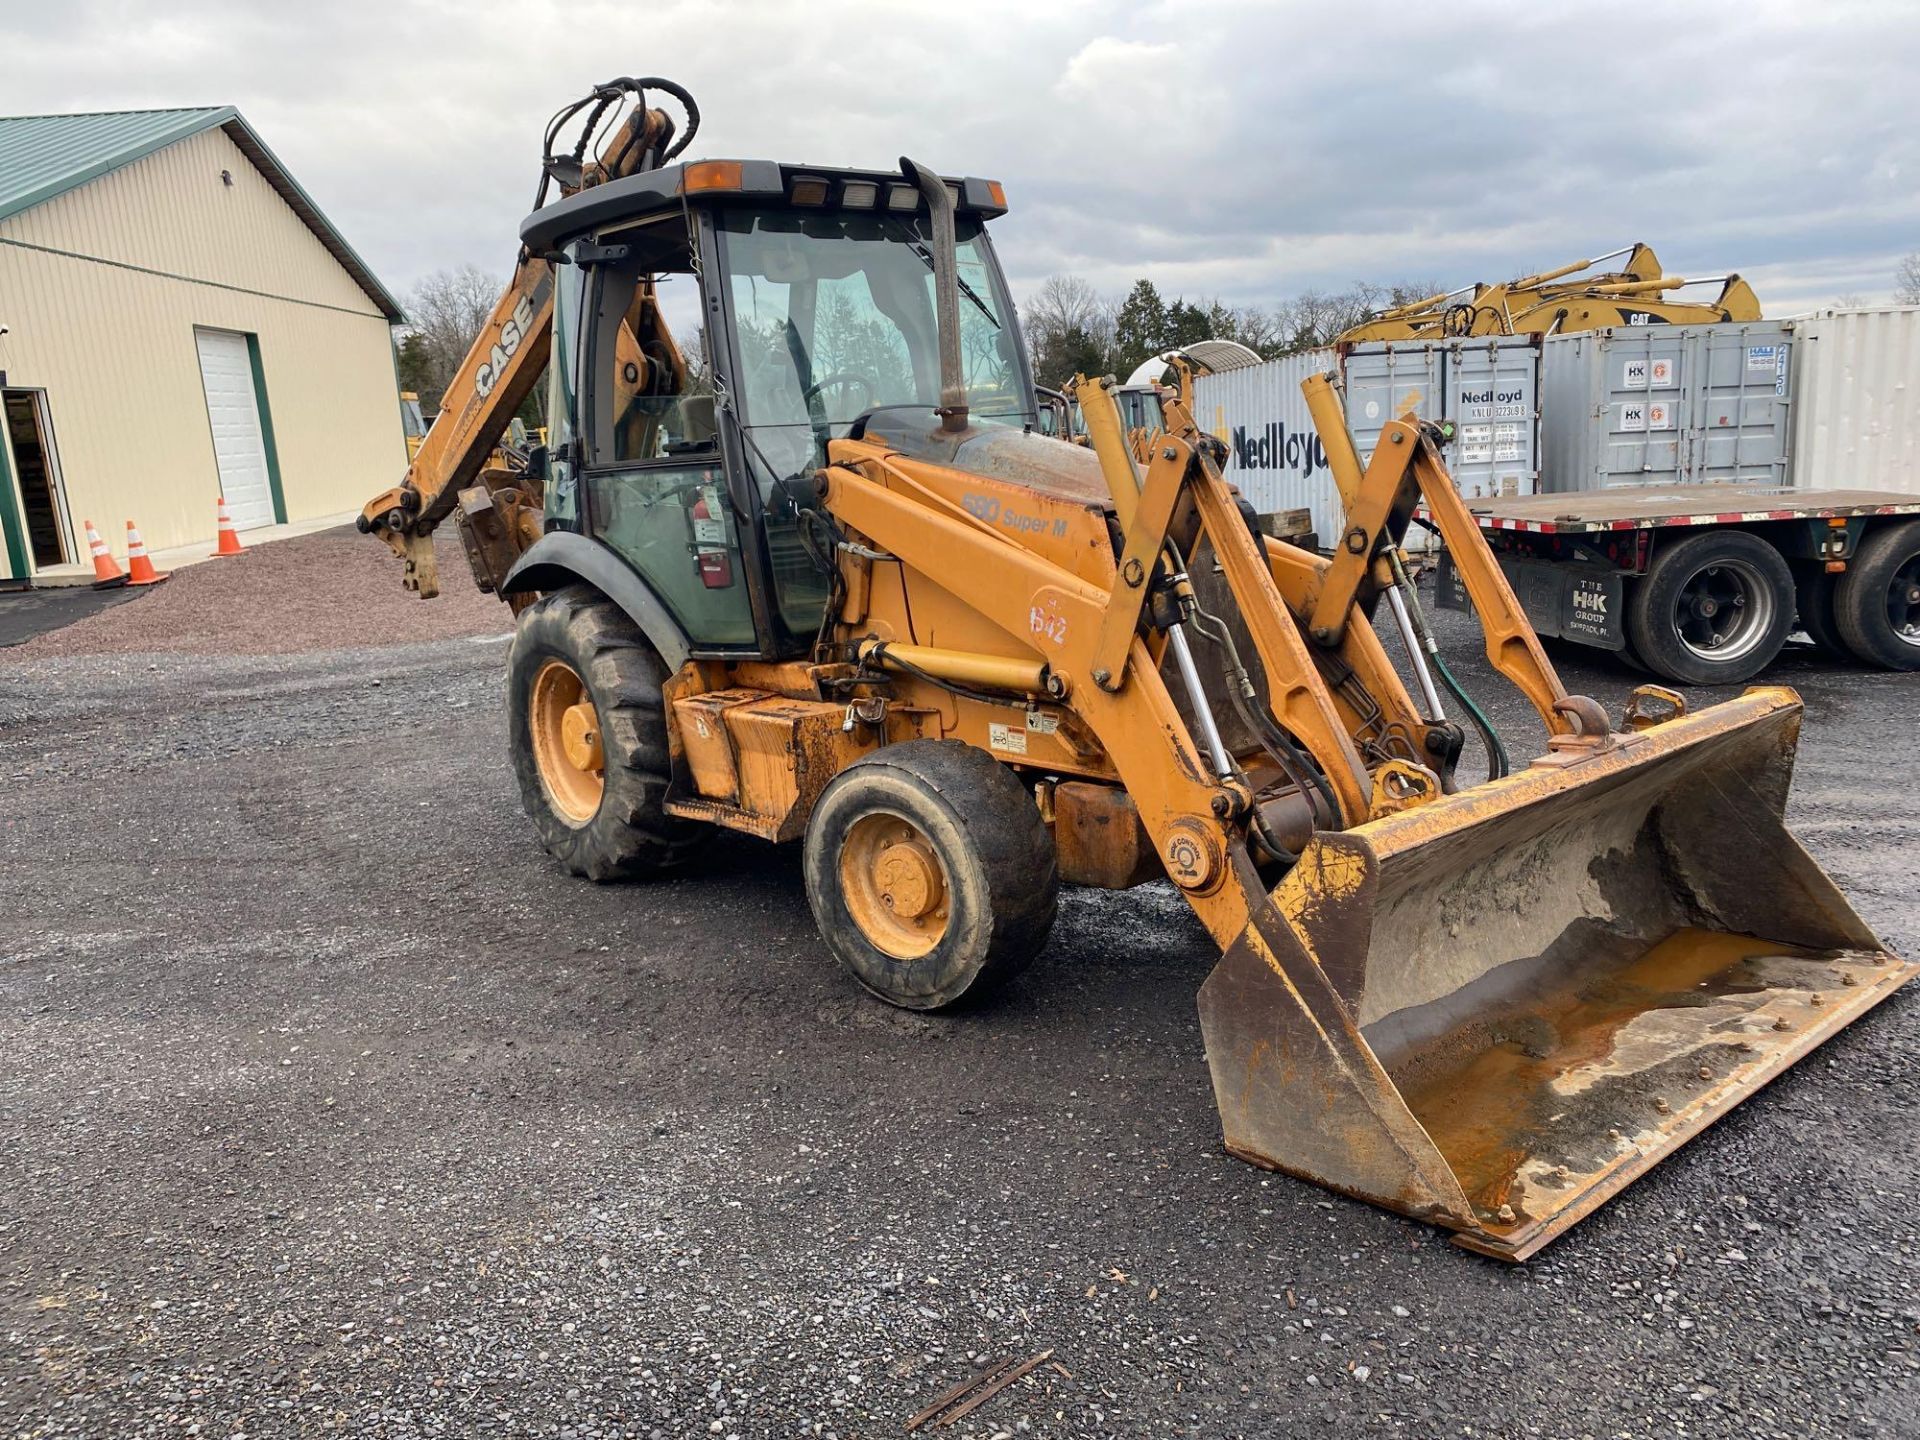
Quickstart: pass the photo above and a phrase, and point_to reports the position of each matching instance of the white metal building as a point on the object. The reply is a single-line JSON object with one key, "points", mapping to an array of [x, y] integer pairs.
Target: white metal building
{"points": [[181, 320]]}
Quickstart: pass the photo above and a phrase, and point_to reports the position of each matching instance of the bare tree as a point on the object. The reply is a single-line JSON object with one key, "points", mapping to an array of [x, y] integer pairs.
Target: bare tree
{"points": [[1906, 281], [447, 310], [1069, 330]]}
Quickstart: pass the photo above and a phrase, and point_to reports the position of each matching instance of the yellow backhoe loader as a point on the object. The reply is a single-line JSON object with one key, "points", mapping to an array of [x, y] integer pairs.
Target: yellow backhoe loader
{"points": [[1562, 301], [825, 585]]}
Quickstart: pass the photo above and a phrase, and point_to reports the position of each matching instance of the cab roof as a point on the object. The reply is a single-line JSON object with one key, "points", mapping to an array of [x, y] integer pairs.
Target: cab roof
{"points": [[750, 182]]}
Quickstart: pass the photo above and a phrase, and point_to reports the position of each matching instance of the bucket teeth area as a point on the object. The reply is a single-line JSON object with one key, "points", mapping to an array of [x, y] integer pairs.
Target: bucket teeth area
{"points": [[1546, 1108]]}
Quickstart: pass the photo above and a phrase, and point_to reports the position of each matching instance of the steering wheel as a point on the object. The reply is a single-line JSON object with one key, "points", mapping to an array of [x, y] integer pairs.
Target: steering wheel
{"points": [[842, 377]]}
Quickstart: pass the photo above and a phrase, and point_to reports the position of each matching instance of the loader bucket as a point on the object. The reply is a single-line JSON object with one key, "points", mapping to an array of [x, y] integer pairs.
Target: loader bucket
{"points": [[1499, 1009]]}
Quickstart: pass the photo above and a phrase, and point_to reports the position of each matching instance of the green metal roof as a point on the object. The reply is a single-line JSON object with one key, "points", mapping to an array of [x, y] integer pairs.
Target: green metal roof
{"points": [[43, 156]]}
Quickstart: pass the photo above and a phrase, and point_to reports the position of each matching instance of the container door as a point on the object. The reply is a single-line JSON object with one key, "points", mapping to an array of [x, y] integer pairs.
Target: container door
{"points": [[233, 410], [1738, 401], [1642, 370], [1491, 394]]}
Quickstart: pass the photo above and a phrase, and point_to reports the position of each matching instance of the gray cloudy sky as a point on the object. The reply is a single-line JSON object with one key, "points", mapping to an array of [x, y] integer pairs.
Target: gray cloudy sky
{"points": [[1223, 147]]}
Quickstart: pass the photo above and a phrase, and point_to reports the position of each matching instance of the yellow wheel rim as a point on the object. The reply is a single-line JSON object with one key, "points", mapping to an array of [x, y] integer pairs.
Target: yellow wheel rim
{"points": [[567, 746], [895, 886]]}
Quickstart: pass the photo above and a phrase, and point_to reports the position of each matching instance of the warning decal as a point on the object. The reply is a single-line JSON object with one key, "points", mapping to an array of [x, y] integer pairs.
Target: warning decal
{"points": [[1007, 738]]}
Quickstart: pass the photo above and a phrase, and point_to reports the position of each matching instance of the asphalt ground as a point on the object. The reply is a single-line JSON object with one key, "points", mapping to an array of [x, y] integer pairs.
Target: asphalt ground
{"points": [[28, 614], [329, 1105]]}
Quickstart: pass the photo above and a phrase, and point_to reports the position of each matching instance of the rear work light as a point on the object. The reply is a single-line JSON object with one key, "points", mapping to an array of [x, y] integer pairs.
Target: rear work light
{"points": [[859, 194], [808, 190]]}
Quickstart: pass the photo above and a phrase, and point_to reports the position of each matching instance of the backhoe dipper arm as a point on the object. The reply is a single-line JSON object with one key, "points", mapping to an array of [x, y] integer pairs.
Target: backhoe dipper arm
{"points": [[507, 360], [509, 355]]}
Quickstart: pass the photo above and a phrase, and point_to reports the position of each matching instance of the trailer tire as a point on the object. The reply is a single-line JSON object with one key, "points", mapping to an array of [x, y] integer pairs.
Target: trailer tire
{"points": [[577, 659], [1813, 602], [1876, 605], [1727, 584], [930, 872]]}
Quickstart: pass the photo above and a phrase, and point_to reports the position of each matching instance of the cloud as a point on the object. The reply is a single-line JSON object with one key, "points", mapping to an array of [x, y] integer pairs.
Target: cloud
{"points": [[1230, 147]]}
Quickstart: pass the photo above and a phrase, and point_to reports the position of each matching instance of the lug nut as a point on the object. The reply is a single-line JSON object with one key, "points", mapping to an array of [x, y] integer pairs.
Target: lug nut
{"points": [[1660, 1104], [1706, 1072], [1505, 1213], [1782, 1024]]}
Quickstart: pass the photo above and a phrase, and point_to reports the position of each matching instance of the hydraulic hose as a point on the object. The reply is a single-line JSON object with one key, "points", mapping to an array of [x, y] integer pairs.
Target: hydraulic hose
{"points": [[1498, 764]]}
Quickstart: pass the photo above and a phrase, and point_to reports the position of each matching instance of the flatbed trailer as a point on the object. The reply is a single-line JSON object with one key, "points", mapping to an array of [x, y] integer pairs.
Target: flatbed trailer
{"points": [[1702, 584]]}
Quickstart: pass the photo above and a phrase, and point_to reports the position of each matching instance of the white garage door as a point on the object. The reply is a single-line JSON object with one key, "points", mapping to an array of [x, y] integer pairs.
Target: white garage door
{"points": [[234, 409]]}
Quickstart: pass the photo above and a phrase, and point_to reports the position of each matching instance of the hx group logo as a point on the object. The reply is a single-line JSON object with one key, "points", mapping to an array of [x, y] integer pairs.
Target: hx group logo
{"points": [[1275, 447]]}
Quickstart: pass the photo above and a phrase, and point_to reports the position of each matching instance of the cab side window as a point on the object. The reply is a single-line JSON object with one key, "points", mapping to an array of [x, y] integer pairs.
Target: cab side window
{"points": [[655, 486]]}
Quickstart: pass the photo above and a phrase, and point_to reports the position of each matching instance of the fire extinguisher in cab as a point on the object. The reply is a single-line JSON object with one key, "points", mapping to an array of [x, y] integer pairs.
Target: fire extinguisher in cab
{"points": [[712, 558]]}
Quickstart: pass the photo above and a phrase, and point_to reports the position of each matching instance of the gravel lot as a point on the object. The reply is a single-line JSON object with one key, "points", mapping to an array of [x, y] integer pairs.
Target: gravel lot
{"points": [[333, 589], [327, 1104]]}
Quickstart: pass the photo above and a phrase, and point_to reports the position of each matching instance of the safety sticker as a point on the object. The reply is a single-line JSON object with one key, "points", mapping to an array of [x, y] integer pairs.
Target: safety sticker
{"points": [[1039, 722], [1006, 738]]}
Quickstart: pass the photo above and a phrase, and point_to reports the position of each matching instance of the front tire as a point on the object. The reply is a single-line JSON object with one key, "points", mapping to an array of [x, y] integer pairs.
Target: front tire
{"points": [[587, 723], [1876, 605], [930, 873], [1712, 609]]}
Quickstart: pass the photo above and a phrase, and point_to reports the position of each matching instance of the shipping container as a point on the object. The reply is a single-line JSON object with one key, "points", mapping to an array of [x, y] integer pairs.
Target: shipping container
{"points": [[1274, 455], [1487, 387], [1856, 412], [1666, 405]]}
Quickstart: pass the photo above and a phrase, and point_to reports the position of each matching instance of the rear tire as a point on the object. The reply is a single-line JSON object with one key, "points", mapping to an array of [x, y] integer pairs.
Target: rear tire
{"points": [[1813, 599], [930, 873], [1876, 605], [1712, 609], [577, 658]]}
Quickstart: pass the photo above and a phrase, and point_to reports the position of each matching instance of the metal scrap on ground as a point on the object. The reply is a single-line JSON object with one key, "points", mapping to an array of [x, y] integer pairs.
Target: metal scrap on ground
{"points": [[970, 1394]]}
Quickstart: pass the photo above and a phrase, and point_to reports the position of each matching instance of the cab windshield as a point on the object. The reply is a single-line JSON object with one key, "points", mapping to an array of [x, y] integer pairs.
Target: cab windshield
{"points": [[834, 316]]}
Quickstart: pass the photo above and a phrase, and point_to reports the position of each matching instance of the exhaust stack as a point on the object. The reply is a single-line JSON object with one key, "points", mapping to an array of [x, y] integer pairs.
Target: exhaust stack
{"points": [[946, 298]]}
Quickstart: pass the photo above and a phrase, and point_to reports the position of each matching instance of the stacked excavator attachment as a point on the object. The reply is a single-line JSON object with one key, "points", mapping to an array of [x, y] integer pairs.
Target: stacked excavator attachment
{"points": [[1495, 1011]]}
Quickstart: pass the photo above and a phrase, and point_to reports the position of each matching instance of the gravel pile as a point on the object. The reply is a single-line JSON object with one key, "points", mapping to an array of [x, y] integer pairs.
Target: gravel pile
{"points": [[333, 590]]}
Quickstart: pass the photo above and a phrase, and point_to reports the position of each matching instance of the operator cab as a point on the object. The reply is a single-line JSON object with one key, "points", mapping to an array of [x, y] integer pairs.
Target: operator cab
{"points": [[804, 301]]}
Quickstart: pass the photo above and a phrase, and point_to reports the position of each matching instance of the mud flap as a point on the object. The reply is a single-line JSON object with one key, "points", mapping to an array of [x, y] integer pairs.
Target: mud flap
{"points": [[1499, 1009]]}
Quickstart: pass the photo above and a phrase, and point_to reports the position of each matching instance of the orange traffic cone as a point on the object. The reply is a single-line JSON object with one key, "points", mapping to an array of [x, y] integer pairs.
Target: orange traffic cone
{"points": [[229, 537], [106, 574], [140, 569]]}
